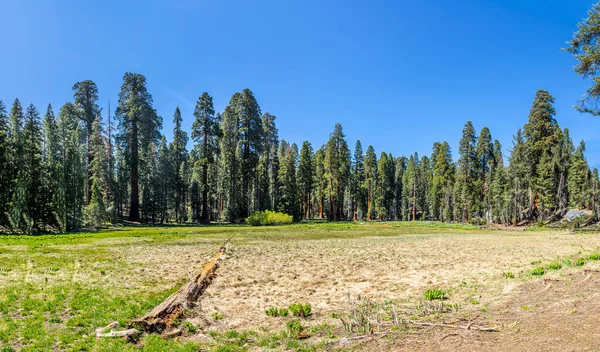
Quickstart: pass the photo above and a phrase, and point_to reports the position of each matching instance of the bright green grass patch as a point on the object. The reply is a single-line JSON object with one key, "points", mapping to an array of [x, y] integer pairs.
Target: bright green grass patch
{"points": [[433, 294], [554, 266], [539, 271]]}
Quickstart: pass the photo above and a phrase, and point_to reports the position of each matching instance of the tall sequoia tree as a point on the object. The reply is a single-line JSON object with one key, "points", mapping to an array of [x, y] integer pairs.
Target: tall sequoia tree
{"points": [[205, 132], [250, 139], [138, 124]]}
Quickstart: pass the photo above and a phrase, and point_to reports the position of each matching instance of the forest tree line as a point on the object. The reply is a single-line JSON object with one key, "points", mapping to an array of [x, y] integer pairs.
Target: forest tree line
{"points": [[60, 172]]}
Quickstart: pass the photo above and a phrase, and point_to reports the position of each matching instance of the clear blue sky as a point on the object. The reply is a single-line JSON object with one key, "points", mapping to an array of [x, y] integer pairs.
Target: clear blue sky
{"points": [[397, 74]]}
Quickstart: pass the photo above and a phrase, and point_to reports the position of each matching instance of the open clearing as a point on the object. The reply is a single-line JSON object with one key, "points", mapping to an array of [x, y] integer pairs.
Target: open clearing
{"points": [[56, 289]]}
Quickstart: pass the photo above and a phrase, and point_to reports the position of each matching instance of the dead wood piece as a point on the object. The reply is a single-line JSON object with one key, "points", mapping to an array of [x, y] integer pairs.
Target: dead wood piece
{"points": [[468, 327], [162, 317]]}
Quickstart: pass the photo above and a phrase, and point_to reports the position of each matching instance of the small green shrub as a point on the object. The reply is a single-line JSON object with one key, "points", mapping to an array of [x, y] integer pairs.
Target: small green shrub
{"points": [[268, 218], [293, 327], [580, 261], [508, 275], [554, 266], [276, 312], [300, 310], [539, 271], [432, 294], [190, 327], [594, 256], [216, 316]]}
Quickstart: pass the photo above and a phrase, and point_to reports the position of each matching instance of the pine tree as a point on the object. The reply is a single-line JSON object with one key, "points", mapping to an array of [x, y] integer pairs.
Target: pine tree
{"points": [[544, 183], [485, 156], [320, 182], [370, 180], [179, 154], [165, 174], [578, 179], [230, 162], [517, 174], [425, 186], [410, 184], [359, 199], [305, 178], [29, 178], [400, 211], [205, 132], [541, 135], [467, 172], [51, 170], [289, 203], [5, 167], [95, 210], [442, 177], [586, 49], [337, 171], [85, 96], [268, 187], [138, 126]]}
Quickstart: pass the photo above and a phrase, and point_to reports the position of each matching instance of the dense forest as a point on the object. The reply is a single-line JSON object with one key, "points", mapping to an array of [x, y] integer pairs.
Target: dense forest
{"points": [[66, 171], [62, 172]]}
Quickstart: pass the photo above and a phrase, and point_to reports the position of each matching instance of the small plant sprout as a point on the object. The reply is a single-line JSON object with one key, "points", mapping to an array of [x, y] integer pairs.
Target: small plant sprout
{"points": [[432, 294], [300, 310], [217, 316], [554, 266], [508, 275], [539, 271]]}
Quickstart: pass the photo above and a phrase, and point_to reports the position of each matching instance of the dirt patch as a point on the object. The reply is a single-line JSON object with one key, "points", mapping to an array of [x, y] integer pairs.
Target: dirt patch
{"points": [[559, 314]]}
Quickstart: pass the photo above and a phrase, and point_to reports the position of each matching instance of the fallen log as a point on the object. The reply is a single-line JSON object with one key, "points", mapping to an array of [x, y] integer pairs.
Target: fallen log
{"points": [[161, 319]]}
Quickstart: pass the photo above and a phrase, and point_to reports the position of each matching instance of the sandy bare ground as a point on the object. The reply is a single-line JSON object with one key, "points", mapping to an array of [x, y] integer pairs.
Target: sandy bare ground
{"points": [[326, 273]]}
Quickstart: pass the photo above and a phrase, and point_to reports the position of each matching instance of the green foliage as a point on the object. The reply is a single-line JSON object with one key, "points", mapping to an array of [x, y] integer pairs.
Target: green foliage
{"points": [[434, 294], [580, 261], [539, 271], [594, 256], [276, 312], [293, 327], [268, 218], [217, 316], [300, 310], [554, 266], [508, 275]]}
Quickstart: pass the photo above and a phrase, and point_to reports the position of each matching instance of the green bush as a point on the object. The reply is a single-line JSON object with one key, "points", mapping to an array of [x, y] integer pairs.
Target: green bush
{"points": [[268, 218], [434, 294], [554, 266], [580, 261], [300, 310], [594, 256], [539, 271]]}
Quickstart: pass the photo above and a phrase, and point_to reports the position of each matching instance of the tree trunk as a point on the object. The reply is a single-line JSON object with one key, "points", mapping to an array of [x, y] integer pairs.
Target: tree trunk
{"points": [[163, 317], [205, 215]]}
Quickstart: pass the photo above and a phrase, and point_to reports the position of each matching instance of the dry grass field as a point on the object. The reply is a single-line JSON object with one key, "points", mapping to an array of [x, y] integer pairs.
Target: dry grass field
{"points": [[366, 285]]}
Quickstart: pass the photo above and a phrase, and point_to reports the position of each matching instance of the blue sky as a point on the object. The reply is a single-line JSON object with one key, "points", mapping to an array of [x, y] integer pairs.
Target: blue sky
{"points": [[399, 75]]}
